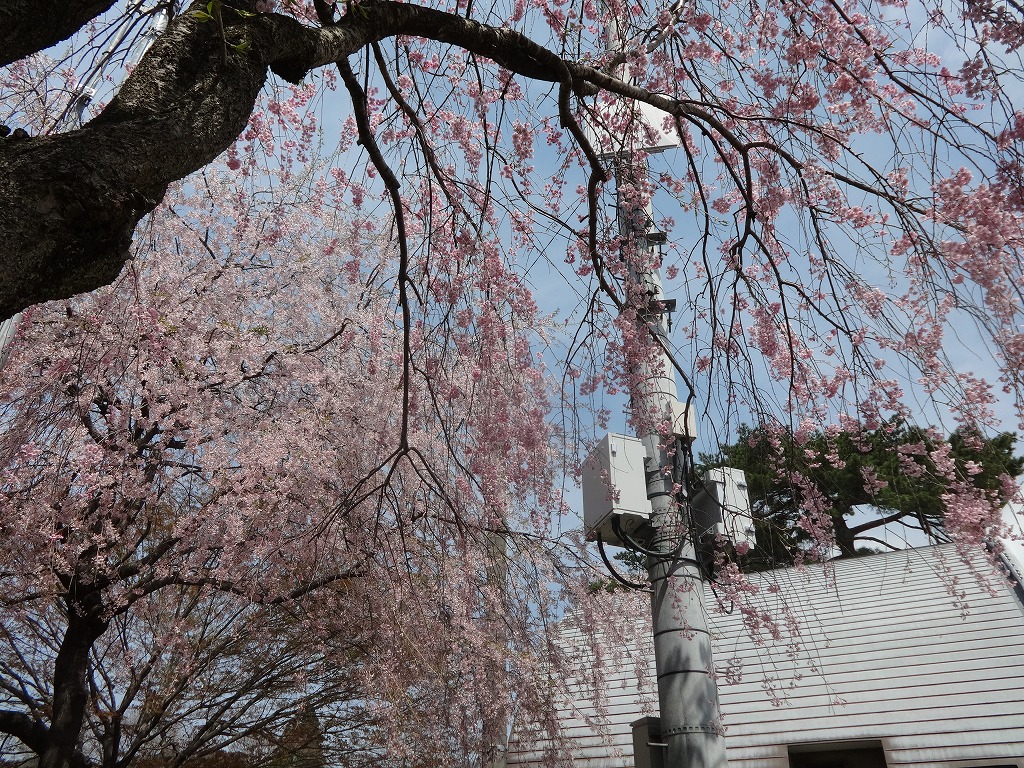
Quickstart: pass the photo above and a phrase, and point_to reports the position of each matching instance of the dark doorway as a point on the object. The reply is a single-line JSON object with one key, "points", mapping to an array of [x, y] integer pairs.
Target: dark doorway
{"points": [[837, 755]]}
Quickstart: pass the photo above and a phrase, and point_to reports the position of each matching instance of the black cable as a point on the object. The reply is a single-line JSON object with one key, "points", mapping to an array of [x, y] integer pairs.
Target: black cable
{"points": [[634, 545], [611, 568], [685, 497]]}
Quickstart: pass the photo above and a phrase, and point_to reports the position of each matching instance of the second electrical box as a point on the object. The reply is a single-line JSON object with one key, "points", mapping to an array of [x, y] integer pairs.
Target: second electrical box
{"points": [[723, 507]]}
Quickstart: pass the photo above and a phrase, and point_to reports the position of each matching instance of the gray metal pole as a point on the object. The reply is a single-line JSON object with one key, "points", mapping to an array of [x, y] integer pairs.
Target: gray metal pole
{"points": [[687, 693], [8, 329]]}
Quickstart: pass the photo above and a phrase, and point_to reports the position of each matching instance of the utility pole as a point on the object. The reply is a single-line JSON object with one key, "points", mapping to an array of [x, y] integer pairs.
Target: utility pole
{"points": [[687, 693], [690, 732]]}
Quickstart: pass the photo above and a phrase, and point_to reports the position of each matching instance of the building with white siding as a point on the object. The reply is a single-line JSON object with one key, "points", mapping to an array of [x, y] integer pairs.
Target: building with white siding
{"points": [[901, 659]]}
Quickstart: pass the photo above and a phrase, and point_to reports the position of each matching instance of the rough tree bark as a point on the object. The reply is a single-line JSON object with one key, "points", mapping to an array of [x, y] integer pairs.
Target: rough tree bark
{"points": [[27, 26], [69, 203]]}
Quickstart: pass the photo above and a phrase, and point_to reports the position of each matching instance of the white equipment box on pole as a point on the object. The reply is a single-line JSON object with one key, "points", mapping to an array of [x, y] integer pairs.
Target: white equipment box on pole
{"points": [[723, 507], [615, 486]]}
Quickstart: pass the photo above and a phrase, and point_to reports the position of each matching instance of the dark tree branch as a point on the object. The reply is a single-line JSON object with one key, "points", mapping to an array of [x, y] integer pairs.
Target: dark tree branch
{"points": [[387, 175], [231, 587], [878, 541], [69, 203], [856, 530], [30, 26], [23, 727]]}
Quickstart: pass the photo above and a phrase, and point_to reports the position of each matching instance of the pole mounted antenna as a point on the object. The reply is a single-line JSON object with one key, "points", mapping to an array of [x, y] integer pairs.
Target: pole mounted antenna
{"points": [[154, 20]]}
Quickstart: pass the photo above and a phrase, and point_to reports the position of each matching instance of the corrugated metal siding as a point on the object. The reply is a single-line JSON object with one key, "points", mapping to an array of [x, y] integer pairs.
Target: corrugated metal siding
{"points": [[906, 647]]}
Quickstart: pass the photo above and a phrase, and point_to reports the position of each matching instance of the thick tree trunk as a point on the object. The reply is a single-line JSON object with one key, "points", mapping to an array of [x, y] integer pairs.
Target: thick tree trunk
{"points": [[70, 685], [69, 203], [27, 26], [845, 538]]}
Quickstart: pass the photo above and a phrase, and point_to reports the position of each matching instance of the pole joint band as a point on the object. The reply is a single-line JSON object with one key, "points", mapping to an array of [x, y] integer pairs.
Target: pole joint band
{"points": [[710, 728]]}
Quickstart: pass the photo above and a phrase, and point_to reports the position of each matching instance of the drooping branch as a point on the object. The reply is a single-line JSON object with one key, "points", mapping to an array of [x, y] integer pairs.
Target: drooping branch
{"points": [[230, 587], [69, 203]]}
